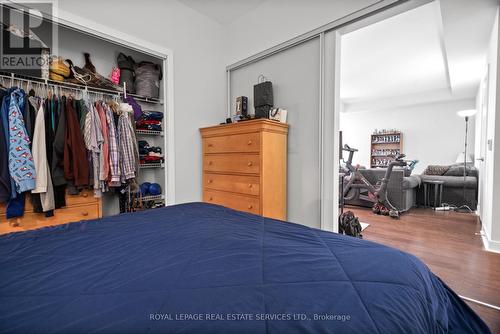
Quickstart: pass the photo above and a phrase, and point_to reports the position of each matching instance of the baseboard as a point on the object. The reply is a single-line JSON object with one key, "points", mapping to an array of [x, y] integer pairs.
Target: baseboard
{"points": [[489, 245]]}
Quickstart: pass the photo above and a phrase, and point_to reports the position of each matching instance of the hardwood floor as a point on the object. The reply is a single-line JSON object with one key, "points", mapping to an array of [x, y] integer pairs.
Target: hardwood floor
{"points": [[450, 245]]}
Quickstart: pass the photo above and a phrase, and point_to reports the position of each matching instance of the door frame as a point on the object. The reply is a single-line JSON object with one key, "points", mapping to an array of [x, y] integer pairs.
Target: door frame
{"points": [[356, 25], [329, 94]]}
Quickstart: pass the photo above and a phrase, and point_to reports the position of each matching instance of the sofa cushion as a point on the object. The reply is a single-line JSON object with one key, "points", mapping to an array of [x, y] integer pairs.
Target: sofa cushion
{"points": [[436, 170], [458, 170], [452, 181], [406, 170], [411, 182]]}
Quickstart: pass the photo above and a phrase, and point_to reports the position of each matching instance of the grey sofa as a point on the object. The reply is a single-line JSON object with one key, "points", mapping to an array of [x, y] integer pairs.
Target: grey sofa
{"points": [[453, 186], [401, 190]]}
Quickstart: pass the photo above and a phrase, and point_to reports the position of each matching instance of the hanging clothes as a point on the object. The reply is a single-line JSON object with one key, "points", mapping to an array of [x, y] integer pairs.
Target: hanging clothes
{"points": [[129, 153], [21, 166], [56, 144], [43, 181], [93, 142], [104, 162], [55, 125], [75, 156], [114, 154], [5, 181]]}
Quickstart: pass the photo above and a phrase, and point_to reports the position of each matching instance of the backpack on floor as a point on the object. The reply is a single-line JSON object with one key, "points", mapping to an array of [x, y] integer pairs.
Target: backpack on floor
{"points": [[349, 225]]}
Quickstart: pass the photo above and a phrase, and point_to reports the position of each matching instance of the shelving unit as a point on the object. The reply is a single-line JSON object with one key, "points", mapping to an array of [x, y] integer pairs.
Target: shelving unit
{"points": [[384, 148], [153, 172], [152, 198], [152, 166], [149, 132]]}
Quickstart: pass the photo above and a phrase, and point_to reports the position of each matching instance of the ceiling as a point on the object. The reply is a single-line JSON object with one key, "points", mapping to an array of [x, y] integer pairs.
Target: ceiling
{"points": [[432, 53], [222, 11]]}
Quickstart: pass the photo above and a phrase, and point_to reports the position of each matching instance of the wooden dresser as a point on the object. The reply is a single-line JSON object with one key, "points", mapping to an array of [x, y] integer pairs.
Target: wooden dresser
{"points": [[78, 207], [244, 166]]}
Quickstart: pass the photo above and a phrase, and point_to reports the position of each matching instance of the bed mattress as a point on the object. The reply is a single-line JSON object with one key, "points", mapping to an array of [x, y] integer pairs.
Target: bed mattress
{"points": [[201, 268]]}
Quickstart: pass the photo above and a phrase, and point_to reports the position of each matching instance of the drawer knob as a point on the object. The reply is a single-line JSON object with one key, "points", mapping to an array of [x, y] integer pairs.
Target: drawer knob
{"points": [[210, 198], [85, 213], [250, 185], [249, 163], [210, 181], [250, 207], [210, 163], [249, 142], [210, 145], [85, 195]]}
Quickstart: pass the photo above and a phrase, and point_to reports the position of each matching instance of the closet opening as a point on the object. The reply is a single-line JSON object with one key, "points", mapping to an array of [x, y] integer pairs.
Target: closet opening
{"points": [[107, 106]]}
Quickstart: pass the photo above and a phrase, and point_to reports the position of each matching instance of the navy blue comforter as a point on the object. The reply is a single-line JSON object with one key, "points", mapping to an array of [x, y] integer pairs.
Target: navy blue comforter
{"points": [[200, 268]]}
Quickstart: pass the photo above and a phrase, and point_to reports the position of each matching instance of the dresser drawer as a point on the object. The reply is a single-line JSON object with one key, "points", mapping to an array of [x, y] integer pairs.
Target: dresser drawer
{"points": [[232, 163], [234, 183], [32, 220], [85, 197], [246, 142], [234, 201]]}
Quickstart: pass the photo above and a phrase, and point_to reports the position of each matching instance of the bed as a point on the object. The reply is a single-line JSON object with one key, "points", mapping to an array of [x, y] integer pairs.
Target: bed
{"points": [[202, 268]]}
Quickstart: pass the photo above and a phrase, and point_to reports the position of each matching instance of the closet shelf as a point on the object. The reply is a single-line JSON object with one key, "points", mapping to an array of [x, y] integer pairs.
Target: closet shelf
{"points": [[69, 85], [152, 198], [149, 132], [152, 166], [146, 99]]}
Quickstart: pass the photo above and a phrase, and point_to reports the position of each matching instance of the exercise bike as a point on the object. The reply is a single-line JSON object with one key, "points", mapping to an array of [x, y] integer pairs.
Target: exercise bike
{"points": [[356, 185]]}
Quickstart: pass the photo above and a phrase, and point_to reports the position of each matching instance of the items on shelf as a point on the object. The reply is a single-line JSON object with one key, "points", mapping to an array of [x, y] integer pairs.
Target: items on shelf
{"points": [[149, 196], [142, 79], [127, 65], [381, 162], [385, 131], [150, 120], [147, 79], [59, 69], [393, 138], [88, 76], [263, 98], [88, 63], [385, 146], [150, 189], [241, 106], [114, 76], [149, 154], [385, 152]]}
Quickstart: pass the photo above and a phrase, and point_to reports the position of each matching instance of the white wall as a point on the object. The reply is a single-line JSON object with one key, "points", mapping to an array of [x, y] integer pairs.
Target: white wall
{"points": [[432, 133], [490, 213], [198, 45], [276, 21]]}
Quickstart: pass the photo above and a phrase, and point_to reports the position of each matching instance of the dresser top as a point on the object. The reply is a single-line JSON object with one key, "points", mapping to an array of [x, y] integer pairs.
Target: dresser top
{"points": [[254, 125]]}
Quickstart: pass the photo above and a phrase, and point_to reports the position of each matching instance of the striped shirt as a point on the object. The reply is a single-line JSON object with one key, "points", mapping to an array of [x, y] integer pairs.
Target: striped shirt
{"points": [[127, 143], [114, 154]]}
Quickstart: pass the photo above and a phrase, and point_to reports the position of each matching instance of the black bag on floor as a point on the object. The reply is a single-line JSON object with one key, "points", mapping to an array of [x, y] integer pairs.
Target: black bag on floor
{"points": [[349, 225], [263, 98]]}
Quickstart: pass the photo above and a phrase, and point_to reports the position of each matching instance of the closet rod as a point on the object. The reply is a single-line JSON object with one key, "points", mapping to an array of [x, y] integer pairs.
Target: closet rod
{"points": [[69, 85]]}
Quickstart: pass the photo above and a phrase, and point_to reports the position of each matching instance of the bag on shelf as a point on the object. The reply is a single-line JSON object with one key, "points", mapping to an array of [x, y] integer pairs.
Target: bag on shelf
{"points": [[147, 79], [127, 66], [60, 68], [263, 99]]}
